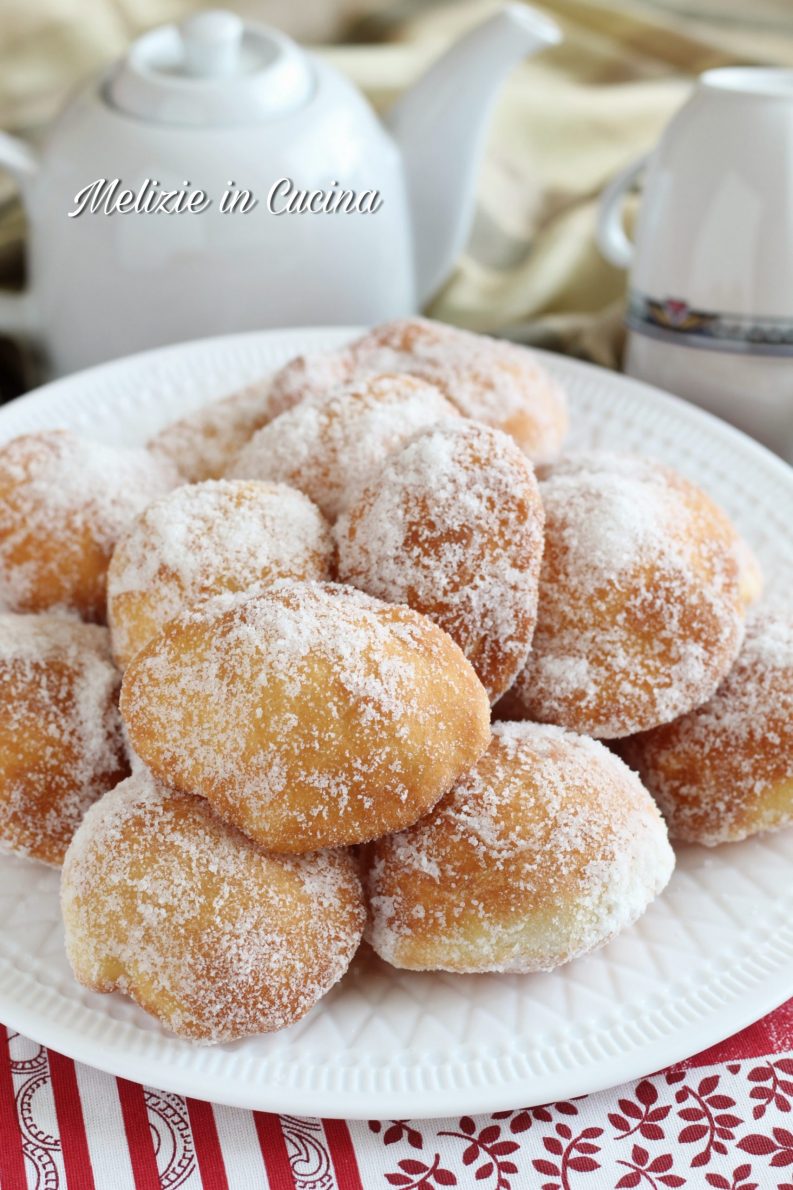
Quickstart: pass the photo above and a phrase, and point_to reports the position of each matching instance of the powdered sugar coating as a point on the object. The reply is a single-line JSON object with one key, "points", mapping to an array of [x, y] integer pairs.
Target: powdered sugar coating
{"points": [[308, 714], [203, 444], [453, 526], [724, 771], [64, 502], [492, 380], [331, 444], [61, 745], [545, 850], [205, 538], [641, 612], [204, 929]]}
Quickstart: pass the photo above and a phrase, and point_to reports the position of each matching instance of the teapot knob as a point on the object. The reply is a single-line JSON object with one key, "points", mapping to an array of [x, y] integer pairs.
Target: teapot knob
{"points": [[211, 43]]}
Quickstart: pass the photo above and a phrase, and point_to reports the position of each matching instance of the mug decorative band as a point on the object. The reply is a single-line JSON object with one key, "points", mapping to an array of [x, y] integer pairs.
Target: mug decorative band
{"points": [[675, 321]]}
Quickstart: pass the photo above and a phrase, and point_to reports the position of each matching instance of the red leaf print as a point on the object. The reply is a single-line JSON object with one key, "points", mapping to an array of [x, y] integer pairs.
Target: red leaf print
{"points": [[651, 1132], [546, 1167], [782, 1136], [445, 1177], [521, 1122], [692, 1133], [397, 1179], [630, 1108], [564, 1131], [392, 1134], [658, 1113], [503, 1147], [675, 1076], [567, 1109], [582, 1164], [584, 1146], [725, 1120], [470, 1155], [692, 1113], [646, 1093], [508, 1167], [628, 1180], [618, 1122], [484, 1171], [411, 1166], [553, 1145], [489, 1134], [708, 1084], [719, 1102], [757, 1145], [761, 1074], [591, 1133], [467, 1126], [672, 1180], [700, 1159], [715, 1179], [639, 1155], [741, 1173], [783, 1157], [785, 1065], [661, 1164]]}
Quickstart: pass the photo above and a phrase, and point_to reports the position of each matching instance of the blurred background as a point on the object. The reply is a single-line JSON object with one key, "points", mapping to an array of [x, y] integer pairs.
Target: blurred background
{"points": [[565, 123]]}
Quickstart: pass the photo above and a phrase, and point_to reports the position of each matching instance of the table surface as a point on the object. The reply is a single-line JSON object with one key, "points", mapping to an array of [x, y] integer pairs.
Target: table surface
{"points": [[722, 1120]]}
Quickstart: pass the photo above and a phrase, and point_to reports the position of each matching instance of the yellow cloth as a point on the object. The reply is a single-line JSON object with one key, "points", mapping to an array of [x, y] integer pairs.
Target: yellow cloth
{"points": [[567, 121]]}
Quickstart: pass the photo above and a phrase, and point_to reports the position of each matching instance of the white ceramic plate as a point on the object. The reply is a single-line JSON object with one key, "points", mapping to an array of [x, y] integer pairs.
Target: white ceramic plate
{"points": [[713, 954]]}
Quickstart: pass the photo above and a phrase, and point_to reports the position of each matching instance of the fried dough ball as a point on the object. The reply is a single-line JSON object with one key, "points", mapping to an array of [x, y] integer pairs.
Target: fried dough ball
{"points": [[752, 581], [202, 539], [212, 935], [452, 525], [641, 612], [330, 445], [203, 443], [492, 380], [310, 715], [544, 851], [724, 771], [61, 744], [64, 502]]}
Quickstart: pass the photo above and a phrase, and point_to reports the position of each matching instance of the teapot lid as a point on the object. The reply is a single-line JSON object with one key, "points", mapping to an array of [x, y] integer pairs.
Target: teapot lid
{"points": [[213, 70]]}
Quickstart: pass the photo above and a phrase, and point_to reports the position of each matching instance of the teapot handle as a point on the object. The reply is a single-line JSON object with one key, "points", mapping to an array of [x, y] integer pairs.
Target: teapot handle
{"points": [[611, 237], [16, 313]]}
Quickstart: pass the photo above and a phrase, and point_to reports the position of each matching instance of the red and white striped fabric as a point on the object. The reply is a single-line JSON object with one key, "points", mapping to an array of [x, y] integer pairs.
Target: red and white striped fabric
{"points": [[721, 1120]]}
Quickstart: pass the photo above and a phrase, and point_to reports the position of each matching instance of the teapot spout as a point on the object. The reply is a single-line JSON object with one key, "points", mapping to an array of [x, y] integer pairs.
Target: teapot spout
{"points": [[440, 126]]}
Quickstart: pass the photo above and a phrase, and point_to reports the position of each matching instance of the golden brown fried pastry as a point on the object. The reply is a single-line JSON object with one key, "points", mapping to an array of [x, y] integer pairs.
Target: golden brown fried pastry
{"points": [[641, 612], [544, 851], [492, 380], [205, 930], [64, 502], [61, 744], [203, 443], [206, 538], [453, 526], [725, 770], [331, 444], [310, 715]]}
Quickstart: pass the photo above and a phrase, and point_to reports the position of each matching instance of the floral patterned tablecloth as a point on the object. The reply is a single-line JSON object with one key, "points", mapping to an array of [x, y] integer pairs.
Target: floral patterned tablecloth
{"points": [[721, 1120]]}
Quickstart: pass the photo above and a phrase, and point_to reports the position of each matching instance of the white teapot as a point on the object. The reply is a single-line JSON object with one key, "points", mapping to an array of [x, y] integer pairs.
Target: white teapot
{"points": [[141, 230]]}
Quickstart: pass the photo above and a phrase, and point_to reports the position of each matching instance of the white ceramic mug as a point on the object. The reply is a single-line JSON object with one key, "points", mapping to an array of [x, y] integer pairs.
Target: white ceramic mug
{"points": [[710, 304]]}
